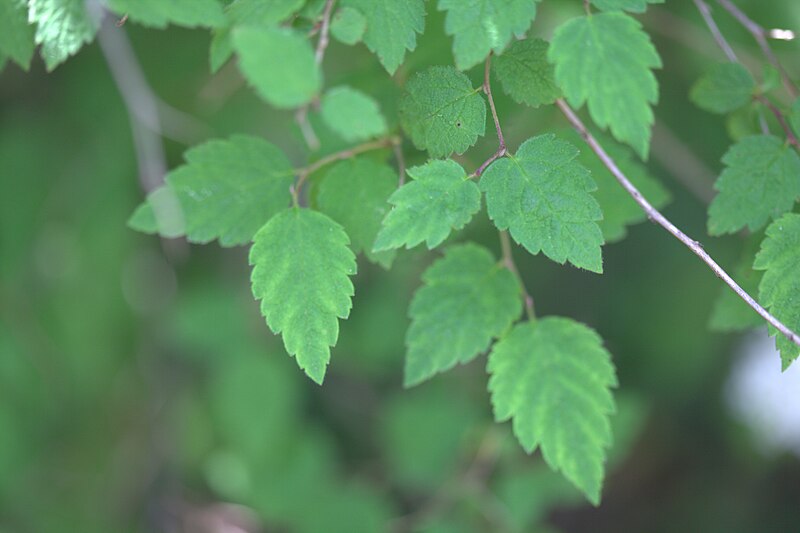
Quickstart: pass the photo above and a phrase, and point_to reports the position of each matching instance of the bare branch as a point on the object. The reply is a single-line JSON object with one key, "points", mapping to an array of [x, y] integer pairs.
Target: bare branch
{"points": [[654, 215], [705, 11]]}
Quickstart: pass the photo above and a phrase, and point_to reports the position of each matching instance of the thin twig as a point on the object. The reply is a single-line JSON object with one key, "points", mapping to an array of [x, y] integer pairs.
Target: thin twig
{"points": [[790, 136], [501, 148], [324, 32], [309, 135], [705, 11], [508, 261], [654, 215], [304, 172], [760, 35]]}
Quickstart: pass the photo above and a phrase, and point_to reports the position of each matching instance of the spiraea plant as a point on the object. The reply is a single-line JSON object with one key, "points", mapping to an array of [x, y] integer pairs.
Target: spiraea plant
{"points": [[570, 188]]}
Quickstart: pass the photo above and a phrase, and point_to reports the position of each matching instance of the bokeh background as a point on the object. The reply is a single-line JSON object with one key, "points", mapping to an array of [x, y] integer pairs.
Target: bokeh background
{"points": [[141, 391]]}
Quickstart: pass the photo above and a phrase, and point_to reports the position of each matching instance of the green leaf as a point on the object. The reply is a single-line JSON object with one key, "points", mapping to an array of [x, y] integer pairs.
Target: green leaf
{"points": [[392, 27], [354, 193], [159, 14], [634, 6], [16, 35], [441, 112], [730, 313], [348, 25], [301, 263], [526, 75], [724, 88], [605, 60], [619, 209], [63, 26], [352, 114], [794, 116], [760, 181], [778, 291], [262, 12], [482, 26], [439, 199], [227, 190], [279, 63], [468, 298], [553, 378], [541, 194]]}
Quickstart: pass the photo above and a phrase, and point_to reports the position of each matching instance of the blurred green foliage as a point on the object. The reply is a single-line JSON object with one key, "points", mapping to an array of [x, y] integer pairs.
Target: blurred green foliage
{"points": [[139, 388]]}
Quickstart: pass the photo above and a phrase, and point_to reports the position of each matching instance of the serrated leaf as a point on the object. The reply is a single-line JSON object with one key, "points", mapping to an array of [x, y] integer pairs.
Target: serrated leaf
{"points": [[62, 28], [468, 299], [482, 26], [392, 27], [634, 6], [438, 200], [227, 190], [730, 313], [16, 35], [541, 194], [761, 180], [301, 263], [262, 12], [279, 63], [619, 209], [355, 194], [779, 290], [724, 88], [553, 378], [353, 115], [348, 25], [605, 60], [442, 112], [525, 73], [159, 13]]}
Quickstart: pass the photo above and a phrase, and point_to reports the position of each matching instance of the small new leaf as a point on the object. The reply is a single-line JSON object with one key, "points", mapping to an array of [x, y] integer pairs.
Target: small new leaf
{"points": [[442, 112], [481, 26], [612, 51], [353, 115], [723, 89], [227, 190], [348, 25], [439, 199], [634, 6], [62, 28], [16, 35], [525, 73], [279, 63], [779, 289], [541, 194], [355, 194], [553, 378], [158, 13], [392, 27], [761, 180], [301, 263], [467, 299]]}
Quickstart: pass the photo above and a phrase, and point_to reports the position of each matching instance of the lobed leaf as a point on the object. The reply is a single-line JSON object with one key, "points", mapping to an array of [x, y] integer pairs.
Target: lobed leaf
{"points": [[467, 299], [553, 379], [441, 111], [541, 194], [525, 73], [605, 61], [479, 27], [227, 190], [761, 180], [779, 290], [62, 28], [301, 263], [439, 199], [16, 35]]}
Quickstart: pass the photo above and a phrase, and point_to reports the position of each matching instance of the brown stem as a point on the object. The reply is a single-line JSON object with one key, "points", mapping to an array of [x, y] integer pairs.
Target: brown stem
{"points": [[654, 215], [760, 36], [790, 136], [305, 172], [487, 88], [508, 261]]}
